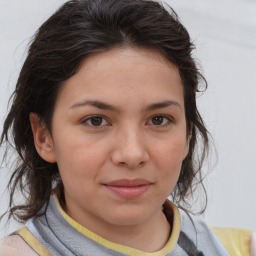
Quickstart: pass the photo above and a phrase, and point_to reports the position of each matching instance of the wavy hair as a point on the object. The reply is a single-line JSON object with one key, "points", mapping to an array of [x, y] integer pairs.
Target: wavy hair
{"points": [[75, 31]]}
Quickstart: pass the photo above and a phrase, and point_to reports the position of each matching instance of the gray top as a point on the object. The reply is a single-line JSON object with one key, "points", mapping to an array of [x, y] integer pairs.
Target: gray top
{"points": [[62, 236]]}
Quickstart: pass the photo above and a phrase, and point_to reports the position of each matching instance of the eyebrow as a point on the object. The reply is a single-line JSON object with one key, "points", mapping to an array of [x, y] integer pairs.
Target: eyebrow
{"points": [[163, 104], [106, 106], [95, 103]]}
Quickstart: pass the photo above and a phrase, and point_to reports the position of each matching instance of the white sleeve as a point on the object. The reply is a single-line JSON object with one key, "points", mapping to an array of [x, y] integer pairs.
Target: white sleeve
{"points": [[15, 246]]}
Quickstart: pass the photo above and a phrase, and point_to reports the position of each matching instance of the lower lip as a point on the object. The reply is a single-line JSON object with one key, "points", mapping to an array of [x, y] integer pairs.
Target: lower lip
{"points": [[129, 192]]}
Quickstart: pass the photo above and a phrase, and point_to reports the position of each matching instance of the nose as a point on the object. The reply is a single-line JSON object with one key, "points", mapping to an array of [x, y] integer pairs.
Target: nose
{"points": [[130, 150]]}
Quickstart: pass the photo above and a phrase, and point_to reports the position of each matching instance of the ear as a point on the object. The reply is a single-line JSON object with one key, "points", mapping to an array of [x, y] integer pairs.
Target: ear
{"points": [[42, 139]]}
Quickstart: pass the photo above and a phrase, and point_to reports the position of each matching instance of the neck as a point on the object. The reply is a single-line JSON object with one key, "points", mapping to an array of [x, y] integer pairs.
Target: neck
{"points": [[149, 236]]}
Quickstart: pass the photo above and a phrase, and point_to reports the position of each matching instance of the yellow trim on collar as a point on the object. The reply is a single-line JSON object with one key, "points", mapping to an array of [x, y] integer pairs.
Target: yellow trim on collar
{"points": [[33, 242], [236, 241], [121, 248]]}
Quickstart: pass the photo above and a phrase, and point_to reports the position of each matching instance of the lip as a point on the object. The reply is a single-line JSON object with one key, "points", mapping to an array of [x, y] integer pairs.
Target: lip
{"points": [[129, 189]]}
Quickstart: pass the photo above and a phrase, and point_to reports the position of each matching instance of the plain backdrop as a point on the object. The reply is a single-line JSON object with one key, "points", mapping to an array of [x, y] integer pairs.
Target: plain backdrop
{"points": [[224, 32]]}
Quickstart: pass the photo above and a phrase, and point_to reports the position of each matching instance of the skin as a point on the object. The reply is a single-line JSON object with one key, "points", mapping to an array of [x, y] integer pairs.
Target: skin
{"points": [[132, 137]]}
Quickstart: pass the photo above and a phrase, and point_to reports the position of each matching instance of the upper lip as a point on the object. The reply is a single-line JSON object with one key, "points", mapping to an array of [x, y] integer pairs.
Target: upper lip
{"points": [[128, 183]]}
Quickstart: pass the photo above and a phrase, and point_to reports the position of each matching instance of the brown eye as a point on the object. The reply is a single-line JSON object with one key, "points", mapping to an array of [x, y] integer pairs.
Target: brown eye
{"points": [[157, 120], [95, 121], [160, 120]]}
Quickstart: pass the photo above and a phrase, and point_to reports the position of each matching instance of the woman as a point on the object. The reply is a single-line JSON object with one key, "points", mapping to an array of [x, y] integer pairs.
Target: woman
{"points": [[105, 122]]}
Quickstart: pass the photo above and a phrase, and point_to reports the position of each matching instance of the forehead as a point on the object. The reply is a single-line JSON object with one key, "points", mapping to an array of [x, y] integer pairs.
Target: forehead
{"points": [[128, 75]]}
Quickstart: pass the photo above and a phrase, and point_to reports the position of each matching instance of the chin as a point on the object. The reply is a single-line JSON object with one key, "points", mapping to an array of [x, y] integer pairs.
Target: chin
{"points": [[128, 217]]}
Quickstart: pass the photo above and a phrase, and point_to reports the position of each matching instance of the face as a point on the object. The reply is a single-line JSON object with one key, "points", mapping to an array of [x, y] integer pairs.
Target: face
{"points": [[119, 137]]}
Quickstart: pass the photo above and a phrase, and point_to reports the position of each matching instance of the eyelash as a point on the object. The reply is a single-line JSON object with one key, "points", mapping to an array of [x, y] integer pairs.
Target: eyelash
{"points": [[89, 119], [168, 120]]}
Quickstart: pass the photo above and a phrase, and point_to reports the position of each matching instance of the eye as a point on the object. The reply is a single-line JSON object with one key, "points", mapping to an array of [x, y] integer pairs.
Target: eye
{"points": [[96, 121], [160, 120]]}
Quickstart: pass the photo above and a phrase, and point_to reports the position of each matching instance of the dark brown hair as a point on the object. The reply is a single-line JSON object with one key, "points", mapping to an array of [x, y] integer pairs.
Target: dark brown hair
{"points": [[78, 29]]}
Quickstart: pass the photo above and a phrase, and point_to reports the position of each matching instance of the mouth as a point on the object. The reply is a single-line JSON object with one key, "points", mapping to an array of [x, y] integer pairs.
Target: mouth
{"points": [[128, 189]]}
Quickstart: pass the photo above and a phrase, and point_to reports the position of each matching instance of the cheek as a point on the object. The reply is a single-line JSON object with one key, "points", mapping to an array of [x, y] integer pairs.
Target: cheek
{"points": [[170, 154], [79, 160], [78, 172], [168, 160]]}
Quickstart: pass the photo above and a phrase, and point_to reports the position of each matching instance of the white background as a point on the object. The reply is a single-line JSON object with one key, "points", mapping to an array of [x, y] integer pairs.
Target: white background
{"points": [[224, 32]]}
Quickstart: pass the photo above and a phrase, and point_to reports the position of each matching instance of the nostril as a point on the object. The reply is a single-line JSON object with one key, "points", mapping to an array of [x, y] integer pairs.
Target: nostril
{"points": [[131, 165], [142, 163], [131, 155], [122, 163]]}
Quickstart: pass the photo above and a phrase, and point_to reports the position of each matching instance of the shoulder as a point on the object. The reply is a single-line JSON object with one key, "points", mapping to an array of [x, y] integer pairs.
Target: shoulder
{"points": [[201, 235], [15, 246], [237, 240]]}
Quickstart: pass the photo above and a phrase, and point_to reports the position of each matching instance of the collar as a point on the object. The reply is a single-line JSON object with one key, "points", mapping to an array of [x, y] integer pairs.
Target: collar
{"points": [[170, 210]]}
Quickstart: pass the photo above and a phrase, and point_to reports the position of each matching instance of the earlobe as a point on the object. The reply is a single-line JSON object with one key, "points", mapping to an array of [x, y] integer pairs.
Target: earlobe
{"points": [[42, 139]]}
